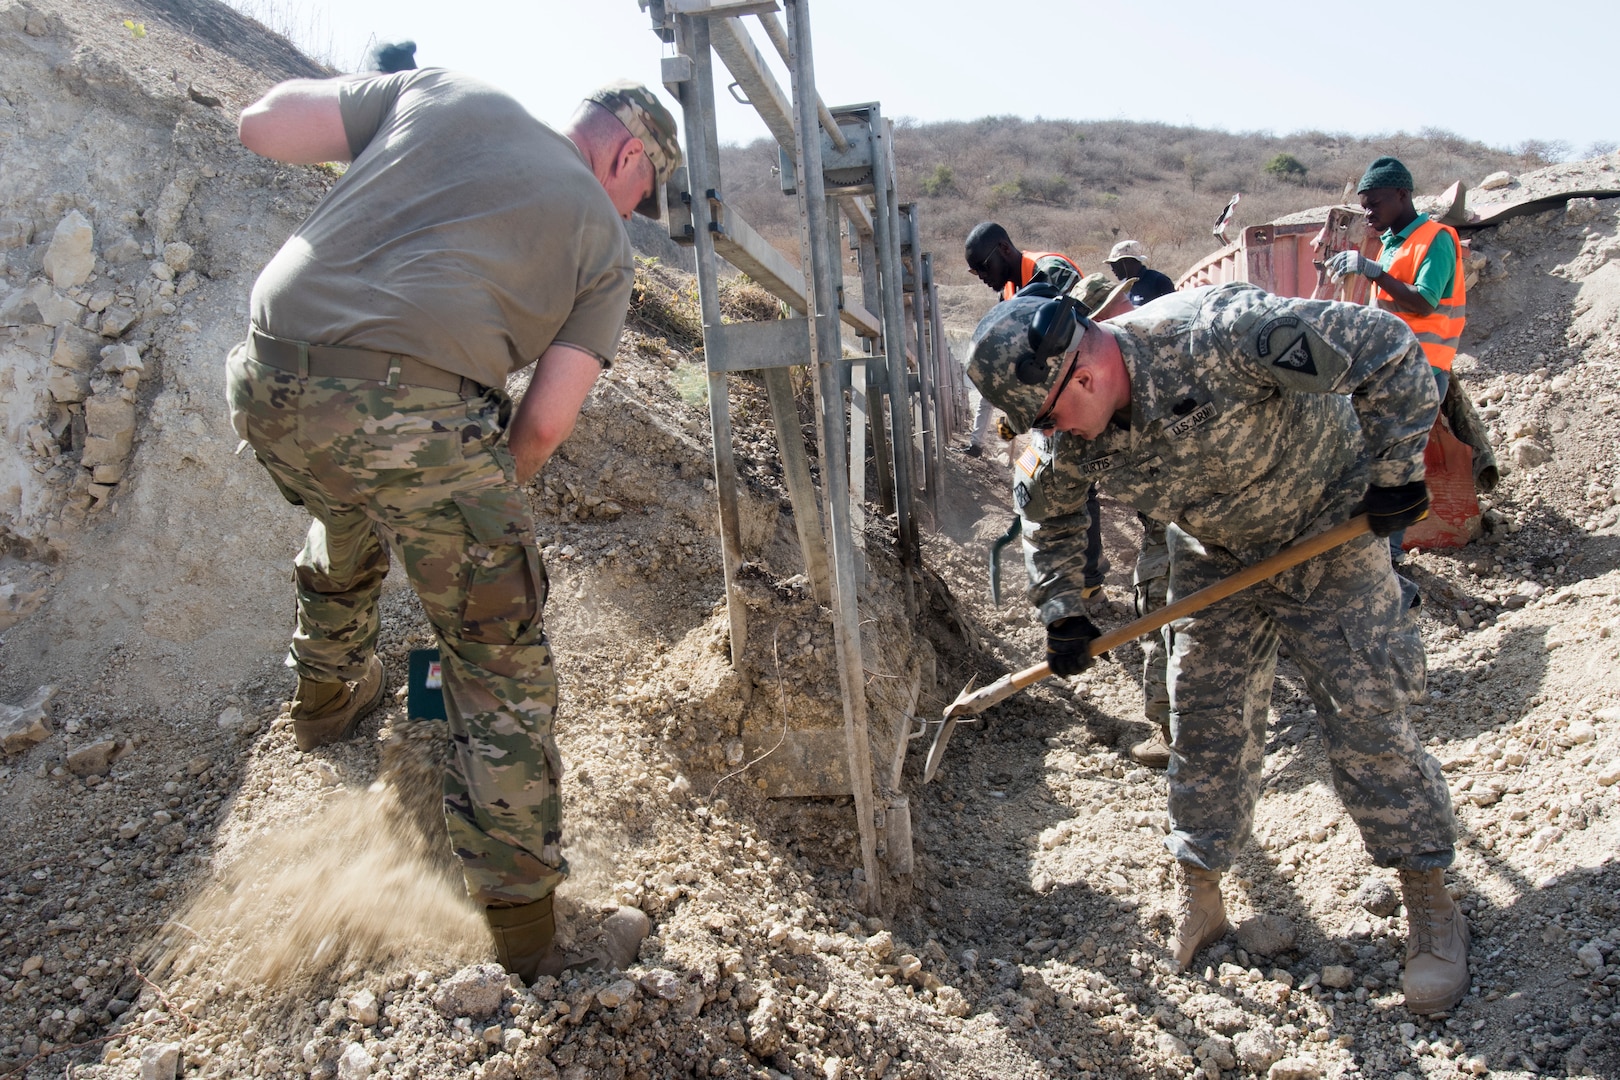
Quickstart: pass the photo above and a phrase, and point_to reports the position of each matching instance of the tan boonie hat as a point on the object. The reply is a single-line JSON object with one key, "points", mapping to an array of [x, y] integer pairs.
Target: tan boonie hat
{"points": [[1128, 249], [645, 117]]}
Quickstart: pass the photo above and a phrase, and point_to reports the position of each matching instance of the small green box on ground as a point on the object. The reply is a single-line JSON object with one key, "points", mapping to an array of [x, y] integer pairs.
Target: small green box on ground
{"points": [[425, 699]]}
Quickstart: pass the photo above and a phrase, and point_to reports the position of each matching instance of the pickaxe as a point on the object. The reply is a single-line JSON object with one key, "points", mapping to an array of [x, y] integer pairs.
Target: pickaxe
{"points": [[972, 702]]}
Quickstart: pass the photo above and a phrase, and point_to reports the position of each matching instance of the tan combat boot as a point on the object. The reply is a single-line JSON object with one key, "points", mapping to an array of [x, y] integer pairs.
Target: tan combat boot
{"points": [[525, 940], [1153, 751], [325, 712], [1436, 975], [1200, 916]]}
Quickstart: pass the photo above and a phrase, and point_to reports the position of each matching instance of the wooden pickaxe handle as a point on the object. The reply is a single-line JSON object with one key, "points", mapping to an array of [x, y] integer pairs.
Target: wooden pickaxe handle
{"points": [[1309, 548], [972, 702]]}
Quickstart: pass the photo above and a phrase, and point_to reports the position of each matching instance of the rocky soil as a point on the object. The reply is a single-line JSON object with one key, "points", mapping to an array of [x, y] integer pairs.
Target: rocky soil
{"points": [[186, 894]]}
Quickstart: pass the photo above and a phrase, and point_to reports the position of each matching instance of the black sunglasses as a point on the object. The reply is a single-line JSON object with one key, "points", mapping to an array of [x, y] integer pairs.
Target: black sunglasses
{"points": [[1043, 419]]}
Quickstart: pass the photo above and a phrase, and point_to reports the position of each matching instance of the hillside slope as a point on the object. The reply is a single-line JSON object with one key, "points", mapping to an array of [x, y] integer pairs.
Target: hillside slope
{"points": [[1077, 186]]}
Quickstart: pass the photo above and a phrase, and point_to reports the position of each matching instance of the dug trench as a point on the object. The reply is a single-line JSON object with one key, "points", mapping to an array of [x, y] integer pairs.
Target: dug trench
{"points": [[182, 889]]}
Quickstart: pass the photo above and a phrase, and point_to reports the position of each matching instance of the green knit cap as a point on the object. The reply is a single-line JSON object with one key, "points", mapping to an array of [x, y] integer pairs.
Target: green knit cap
{"points": [[1385, 172]]}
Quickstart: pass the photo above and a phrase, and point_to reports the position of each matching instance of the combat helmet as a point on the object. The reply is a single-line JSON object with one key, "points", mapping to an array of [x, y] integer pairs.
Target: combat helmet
{"points": [[1002, 357]]}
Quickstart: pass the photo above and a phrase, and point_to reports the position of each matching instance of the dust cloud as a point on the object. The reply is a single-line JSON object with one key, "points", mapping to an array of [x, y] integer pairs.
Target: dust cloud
{"points": [[368, 879]]}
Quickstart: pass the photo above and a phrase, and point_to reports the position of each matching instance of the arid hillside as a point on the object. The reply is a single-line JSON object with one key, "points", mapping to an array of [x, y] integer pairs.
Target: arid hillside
{"points": [[1078, 186]]}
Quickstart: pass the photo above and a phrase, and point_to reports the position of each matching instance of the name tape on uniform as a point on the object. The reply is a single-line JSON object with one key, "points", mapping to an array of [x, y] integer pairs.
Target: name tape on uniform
{"points": [[1192, 421], [1098, 466]]}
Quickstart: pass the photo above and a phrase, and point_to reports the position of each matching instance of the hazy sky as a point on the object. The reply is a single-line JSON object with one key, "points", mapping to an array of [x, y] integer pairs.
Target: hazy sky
{"points": [[1490, 70]]}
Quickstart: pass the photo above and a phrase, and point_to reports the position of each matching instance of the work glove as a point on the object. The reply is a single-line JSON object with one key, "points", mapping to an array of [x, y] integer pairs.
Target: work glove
{"points": [[1353, 262], [1066, 641], [1391, 509], [1004, 429]]}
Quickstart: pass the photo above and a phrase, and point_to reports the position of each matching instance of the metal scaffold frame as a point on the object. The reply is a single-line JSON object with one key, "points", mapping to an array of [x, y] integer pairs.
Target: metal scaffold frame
{"points": [[898, 389]]}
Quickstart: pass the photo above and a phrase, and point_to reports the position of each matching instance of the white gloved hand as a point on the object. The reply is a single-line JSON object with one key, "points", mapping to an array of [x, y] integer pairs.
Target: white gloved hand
{"points": [[1353, 262]]}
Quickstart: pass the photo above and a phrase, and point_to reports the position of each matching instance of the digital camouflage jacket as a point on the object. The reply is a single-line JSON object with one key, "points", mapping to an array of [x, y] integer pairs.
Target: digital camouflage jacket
{"points": [[1255, 420]]}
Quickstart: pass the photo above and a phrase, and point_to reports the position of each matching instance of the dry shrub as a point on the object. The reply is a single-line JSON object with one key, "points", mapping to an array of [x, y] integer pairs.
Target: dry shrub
{"points": [[744, 300], [665, 305]]}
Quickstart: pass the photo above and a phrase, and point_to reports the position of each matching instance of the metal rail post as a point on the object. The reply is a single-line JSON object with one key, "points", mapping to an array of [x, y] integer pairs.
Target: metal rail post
{"points": [[925, 363], [702, 162], [885, 224], [939, 364], [876, 379], [821, 294]]}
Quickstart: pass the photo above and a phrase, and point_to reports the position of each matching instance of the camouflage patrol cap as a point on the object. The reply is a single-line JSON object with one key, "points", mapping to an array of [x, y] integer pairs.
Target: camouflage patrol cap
{"points": [[645, 117], [999, 342], [1097, 291]]}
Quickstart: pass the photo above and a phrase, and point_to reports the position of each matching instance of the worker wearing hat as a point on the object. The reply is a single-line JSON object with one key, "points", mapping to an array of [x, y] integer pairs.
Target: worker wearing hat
{"points": [[1244, 422], [1418, 275], [1128, 259], [465, 240]]}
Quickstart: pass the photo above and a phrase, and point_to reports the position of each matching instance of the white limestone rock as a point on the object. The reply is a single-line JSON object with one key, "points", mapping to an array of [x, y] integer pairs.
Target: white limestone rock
{"points": [[474, 992], [71, 258], [160, 1061], [23, 726]]}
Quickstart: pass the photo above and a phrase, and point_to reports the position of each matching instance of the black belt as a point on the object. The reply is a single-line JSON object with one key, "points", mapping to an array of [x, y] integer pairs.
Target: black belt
{"points": [[341, 362]]}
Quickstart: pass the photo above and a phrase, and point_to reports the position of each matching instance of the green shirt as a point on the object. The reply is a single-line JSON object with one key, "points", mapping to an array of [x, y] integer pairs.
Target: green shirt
{"points": [[1438, 271], [466, 234]]}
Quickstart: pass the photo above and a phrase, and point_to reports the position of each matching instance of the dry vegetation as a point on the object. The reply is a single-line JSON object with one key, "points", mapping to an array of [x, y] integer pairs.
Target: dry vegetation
{"points": [[1078, 186]]}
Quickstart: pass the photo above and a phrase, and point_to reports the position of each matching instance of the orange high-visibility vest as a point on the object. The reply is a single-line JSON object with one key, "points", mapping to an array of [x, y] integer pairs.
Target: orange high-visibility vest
{"points": [[1437, 333], [1026, 270]]}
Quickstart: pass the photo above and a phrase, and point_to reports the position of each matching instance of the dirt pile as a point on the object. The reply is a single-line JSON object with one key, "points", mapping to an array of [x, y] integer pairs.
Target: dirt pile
{"points": [[155, 803]]}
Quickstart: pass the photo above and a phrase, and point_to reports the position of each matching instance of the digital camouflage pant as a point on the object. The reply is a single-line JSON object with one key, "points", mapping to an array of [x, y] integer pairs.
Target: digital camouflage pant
{"points": [[1151, 581], [425, 472], [1357, 645]]}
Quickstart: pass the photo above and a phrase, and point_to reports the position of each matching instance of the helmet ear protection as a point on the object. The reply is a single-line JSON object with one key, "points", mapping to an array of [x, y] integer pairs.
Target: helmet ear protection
{"points": [[1050, 331]]}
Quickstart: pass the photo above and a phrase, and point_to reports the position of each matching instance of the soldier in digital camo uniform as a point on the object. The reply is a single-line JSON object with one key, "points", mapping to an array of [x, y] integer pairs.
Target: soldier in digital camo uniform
{"points": [[1245, 422], [466, 240]]}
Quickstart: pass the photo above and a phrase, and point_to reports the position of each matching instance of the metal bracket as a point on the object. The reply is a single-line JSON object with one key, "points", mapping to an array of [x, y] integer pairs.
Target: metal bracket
{"points": [[721, 9], [848, 172], [788, 171], [895, 821], [674, 71], [678, 201], [754, 346], [662, 24]]}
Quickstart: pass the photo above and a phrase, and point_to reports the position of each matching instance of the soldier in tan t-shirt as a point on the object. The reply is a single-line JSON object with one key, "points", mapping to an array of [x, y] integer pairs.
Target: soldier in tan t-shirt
{"points": [[466, 240]]}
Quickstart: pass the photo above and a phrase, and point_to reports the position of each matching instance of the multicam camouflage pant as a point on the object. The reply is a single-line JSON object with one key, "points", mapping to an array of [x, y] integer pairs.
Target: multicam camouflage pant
{"points": [[1357, 645], [426, 471], [1151, 581]]}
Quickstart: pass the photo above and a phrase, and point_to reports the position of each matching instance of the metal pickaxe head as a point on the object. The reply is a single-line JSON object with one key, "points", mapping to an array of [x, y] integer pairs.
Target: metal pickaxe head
{"points": [[996, 547]]}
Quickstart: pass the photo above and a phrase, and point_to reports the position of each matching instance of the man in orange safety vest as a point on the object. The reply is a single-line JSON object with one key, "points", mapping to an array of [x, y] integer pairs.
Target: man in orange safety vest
{"points": [[1419, 274]]}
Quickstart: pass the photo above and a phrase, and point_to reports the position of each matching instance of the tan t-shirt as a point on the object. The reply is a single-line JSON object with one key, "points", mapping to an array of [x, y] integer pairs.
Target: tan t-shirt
{"points": [[466, 233]]}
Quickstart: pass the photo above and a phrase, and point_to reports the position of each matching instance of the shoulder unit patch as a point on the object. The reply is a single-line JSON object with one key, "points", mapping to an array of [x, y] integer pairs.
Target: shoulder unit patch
{"points": [[1262, 340], [1297, 357]]}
